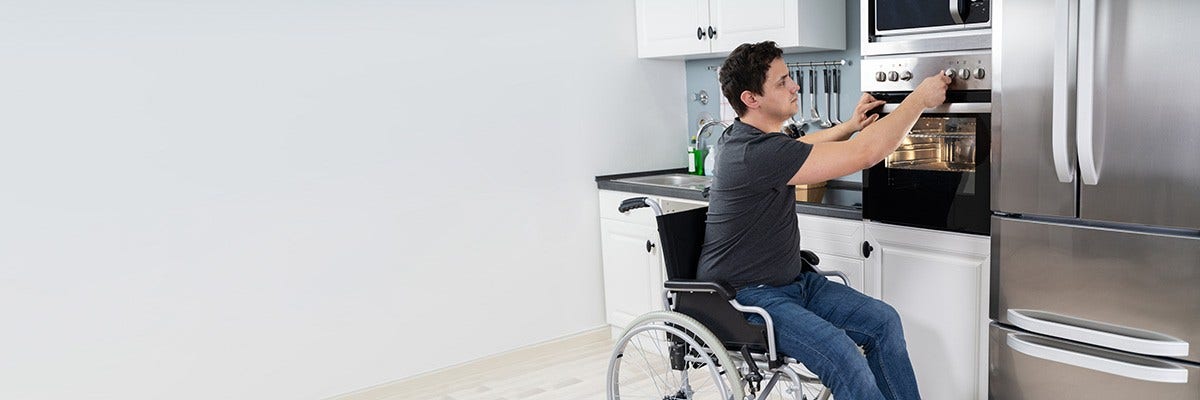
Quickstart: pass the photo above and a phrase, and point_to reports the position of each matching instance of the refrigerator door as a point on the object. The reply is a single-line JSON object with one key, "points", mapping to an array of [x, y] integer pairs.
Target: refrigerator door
{"points": [[1129, 291], [1026, 176], [1136, 131], [1034, 367]]}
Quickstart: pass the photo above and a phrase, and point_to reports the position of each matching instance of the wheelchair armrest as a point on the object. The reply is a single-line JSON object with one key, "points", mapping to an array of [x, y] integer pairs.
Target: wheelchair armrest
{"points": [[838, 274], [810, 257], [687, 285]]}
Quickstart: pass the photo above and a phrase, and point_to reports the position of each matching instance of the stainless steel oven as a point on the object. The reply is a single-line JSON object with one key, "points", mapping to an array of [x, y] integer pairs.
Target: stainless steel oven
{"points": [[913, 26], [939, 176]]}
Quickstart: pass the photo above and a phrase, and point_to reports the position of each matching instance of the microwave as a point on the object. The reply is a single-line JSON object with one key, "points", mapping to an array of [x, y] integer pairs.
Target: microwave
{"points": [[919, 26]]}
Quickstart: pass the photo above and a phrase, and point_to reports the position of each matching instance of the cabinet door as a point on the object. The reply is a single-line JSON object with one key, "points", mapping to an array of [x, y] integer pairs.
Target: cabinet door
{"points": [[937, 282], [751, 21], [632, 274], [669, 27], [853, 268]]}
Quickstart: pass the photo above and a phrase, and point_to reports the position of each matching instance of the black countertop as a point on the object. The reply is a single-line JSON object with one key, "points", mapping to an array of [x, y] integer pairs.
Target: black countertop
{"points": [[840, 199]]}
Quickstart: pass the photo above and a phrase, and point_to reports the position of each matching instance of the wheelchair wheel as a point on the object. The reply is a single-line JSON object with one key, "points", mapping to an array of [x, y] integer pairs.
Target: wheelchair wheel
{"points": [[669, 356]]}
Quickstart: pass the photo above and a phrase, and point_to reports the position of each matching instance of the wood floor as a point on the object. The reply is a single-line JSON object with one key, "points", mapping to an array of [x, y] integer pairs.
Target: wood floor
{"points": [[569, 368]]}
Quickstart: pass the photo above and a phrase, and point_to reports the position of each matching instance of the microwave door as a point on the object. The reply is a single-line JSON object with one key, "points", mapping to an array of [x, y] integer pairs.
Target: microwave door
{"points": [[1137, 135], [1032, 147]]}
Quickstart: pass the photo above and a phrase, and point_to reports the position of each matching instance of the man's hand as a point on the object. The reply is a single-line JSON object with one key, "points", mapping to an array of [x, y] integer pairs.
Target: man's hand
{"points": [[860, 120], [932, 91]]}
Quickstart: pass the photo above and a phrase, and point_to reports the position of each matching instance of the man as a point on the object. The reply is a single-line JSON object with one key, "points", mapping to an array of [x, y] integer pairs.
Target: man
{"points": [[752, 242]]}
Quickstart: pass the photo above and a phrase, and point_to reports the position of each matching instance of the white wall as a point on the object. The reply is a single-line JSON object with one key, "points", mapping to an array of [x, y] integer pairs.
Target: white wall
{"points": [[297, 199]]}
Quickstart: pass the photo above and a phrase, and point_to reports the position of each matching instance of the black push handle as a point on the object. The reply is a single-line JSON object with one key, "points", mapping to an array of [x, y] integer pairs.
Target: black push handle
{"points": [[699, 33], [632, 203], [866, 249], [649, 246], [712, 33]]}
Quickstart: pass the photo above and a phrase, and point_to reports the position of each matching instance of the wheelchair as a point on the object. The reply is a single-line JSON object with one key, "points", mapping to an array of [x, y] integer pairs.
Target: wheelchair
{"points": [[701, 346]]}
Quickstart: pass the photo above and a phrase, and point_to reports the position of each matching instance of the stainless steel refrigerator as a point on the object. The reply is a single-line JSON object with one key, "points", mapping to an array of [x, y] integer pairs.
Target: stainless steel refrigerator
{"points": [[1096, 200]]}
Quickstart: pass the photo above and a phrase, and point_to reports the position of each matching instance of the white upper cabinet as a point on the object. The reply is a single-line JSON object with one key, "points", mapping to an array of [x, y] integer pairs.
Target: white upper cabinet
{"points": [[713, 28], [672, 27]]}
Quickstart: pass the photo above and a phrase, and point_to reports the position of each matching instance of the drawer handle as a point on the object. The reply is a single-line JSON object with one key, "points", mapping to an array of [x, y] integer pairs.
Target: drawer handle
{"points": [[1098, 333], [649, 246], [1166, 373]]}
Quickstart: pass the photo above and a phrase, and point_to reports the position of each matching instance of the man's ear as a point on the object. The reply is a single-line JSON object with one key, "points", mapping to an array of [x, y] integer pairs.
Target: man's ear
{"points": [[749, 99]]}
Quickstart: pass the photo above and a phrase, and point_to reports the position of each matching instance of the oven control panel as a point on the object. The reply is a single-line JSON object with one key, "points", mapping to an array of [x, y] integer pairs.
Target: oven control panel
{"points": [[968, 70]]}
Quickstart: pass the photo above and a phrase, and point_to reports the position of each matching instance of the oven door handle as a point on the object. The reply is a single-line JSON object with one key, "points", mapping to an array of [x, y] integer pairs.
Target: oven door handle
{"points": [[1065, 32], [949, 108]]}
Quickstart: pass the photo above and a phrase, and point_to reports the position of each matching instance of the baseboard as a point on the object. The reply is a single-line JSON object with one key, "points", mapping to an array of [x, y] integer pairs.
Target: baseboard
{"points": [[411, 384]]}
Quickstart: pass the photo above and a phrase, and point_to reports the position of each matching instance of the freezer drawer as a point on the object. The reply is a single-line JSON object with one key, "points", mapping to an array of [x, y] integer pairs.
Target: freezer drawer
{"points": [[1033, 367], [1133, 292]]}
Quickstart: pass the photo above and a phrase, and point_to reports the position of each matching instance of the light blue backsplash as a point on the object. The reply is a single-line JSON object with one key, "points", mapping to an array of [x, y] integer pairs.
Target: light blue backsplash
{"points": [[701, 77]]}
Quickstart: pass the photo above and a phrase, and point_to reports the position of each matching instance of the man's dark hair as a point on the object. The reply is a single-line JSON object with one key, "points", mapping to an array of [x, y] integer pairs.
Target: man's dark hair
{"points": [[746, 69]]}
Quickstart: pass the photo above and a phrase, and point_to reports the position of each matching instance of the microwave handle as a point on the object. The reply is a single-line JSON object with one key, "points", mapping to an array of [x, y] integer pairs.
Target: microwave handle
{"points": [[956, 11], [1085, 129], [1064, 78]]}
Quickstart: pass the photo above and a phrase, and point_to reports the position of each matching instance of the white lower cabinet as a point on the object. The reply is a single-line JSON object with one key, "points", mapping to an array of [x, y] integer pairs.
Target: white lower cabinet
{"points": [[632, 281], [938, 282], [632, 257]]}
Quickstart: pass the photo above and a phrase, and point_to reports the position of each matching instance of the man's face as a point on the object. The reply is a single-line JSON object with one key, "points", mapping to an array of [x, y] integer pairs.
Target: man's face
{"points": [[779, 98]]}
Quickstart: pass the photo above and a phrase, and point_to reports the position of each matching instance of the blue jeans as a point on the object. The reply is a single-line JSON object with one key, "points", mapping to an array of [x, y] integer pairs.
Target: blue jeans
{"points": [[822, 324]]}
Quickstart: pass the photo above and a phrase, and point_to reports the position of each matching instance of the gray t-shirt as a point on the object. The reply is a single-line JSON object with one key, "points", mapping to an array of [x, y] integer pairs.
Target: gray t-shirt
{"points": [[751, 237]]}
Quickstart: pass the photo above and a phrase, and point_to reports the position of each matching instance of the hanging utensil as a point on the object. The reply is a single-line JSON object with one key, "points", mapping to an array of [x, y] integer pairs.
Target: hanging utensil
{"points": [[814, 115], [837, 94], [826, 122]]}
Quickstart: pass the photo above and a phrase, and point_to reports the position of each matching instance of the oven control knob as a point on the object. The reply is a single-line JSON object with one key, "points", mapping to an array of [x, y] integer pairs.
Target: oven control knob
{"points": [[950, 72], [964, 73], [893, 76], [979, 73], [906, 76], [880, 76]]}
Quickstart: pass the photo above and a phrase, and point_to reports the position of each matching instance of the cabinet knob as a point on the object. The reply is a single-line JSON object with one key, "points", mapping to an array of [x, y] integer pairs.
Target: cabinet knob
{"points": [[699, 33], [712, 33], [866, 249], [649, 246]]}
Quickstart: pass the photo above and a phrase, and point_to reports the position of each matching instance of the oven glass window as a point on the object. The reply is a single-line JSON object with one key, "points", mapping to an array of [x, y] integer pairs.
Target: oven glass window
{"points": [[937, 144]]}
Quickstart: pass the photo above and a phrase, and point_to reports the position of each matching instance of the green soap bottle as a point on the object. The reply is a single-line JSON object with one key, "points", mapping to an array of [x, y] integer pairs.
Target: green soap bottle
{"points": [[691, 160], [698, 159]]}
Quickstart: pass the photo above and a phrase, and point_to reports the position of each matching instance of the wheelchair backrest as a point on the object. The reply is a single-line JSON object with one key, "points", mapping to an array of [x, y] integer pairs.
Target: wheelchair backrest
{"points": [[682, 235]]}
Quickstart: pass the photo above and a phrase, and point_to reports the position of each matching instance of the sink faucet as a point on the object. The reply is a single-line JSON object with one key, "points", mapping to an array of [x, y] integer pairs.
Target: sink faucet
{"points": [[704, 127]]}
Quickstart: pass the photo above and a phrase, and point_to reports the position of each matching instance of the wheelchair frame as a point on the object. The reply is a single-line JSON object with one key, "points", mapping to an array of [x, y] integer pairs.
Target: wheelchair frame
{"points": [[714, 308]]}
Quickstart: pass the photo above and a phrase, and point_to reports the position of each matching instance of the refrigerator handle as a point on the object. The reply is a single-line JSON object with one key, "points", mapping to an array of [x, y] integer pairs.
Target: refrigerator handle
{"points": [[1064, 79], [1085, 128], [1098, 333], [1166, 373]]}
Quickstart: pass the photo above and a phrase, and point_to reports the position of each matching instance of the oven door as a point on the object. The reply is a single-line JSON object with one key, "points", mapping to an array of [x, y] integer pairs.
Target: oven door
{"points": [[939, 177], [901, 17]]}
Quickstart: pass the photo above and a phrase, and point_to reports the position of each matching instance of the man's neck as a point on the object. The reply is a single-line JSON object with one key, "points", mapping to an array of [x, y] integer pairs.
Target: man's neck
{"points": [[762, 122]]}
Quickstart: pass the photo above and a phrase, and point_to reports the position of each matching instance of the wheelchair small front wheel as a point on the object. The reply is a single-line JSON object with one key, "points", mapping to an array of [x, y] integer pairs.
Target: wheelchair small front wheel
{"points": [[668, 355]]}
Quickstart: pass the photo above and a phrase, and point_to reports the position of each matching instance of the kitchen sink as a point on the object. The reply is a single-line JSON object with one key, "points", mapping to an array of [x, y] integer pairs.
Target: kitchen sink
{"points": [[681, 181]]}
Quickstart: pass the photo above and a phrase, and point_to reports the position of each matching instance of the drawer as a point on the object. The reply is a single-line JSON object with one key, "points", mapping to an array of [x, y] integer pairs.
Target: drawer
{"points": [[1124, 290], [1035, 367], [610, 200], [834, 236]]}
